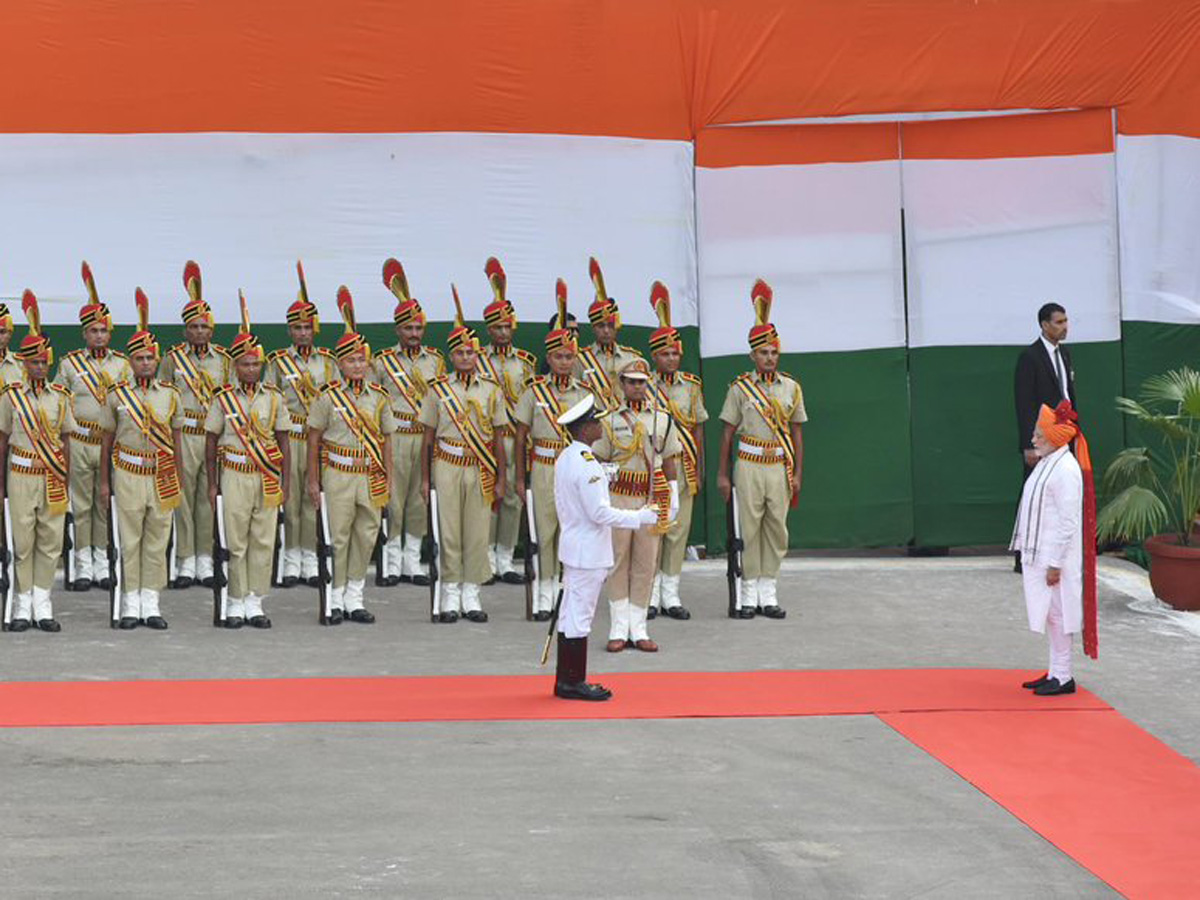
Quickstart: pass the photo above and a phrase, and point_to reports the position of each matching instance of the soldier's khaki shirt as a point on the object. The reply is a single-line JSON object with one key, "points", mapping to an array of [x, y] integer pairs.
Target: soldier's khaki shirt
{"points": [[620, 442], [53, 404], [532, 412], [481, 398], [611, 361], [372, 402], [264, 407], [111, 366], [422, 366], [684, 395], [511, 368], [215, 368], [160, 399], [315, 369], [784, 393], [12, 370]]}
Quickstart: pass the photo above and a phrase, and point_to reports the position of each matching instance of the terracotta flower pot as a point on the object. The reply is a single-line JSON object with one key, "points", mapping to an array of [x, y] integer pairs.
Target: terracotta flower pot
{"points": [[1174, 571]]}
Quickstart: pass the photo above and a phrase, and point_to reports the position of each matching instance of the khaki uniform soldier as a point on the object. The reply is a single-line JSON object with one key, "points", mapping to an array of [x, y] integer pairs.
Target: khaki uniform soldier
{"points": [[541, 439], [644, 443], [89, 374], [463, 459], [299, 371], [599, 365], [11, 369], [350, 429], [35, 420], [405, 372], [197, 367], [681, 395], [764, 410], [511, 368], [248, 426], [141, 419]]}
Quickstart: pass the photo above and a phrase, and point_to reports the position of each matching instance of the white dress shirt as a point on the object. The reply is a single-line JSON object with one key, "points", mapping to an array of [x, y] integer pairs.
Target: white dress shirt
{"points": [[585, 513], [1059, 365]]}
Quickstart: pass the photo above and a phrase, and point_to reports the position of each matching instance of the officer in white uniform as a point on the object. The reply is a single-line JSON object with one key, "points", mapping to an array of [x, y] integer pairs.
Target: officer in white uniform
{"points": [[586, 517]]}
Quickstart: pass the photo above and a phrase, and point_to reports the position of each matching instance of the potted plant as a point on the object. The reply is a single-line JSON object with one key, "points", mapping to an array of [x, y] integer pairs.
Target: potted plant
{"points": [[1156, 491]]}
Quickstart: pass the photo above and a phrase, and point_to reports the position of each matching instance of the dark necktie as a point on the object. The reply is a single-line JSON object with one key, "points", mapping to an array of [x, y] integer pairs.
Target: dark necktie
{"points": [[1058, 372]]}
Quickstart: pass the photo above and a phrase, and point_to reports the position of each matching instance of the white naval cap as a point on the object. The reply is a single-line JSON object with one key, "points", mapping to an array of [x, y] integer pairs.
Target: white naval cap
{"points": [[584, 409]]}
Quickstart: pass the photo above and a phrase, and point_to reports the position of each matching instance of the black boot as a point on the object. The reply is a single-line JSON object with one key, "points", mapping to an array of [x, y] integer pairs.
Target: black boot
{"points": [[572, 670]]}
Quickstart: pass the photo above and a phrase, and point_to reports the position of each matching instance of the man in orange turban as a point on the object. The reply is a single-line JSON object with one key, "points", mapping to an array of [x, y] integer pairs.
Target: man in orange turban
{"points": [[1055, 533]]}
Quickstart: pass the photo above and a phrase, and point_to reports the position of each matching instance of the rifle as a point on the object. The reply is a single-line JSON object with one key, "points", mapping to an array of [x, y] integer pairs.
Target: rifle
{"points": [[553, 623], [324, 563], [434, 536], [68, 553], [277, 555], [115, 563], [733, 552], [220, 563], [532, 575], [381, 555], [8, 576]]}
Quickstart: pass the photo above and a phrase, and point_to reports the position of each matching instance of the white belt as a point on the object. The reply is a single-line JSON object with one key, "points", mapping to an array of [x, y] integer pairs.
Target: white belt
{"points": [[21, 461], [343, 460], [298, 427], [136, 460], [451, 449], [239, 459], [545, 452], [83, 432], [194, 418], [752, 450]]}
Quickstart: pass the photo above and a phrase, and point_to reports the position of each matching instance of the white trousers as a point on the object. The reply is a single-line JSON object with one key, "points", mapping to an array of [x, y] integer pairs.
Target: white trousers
{"points": [[1060, 642], [581, 591]]}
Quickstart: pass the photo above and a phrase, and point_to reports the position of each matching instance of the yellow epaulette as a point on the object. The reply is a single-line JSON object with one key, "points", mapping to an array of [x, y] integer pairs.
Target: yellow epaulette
{"points": [[71, 353], [9, 385], [182, 345], [275, 354], [525, 356], [484, 376], [377, 387], [167, 384], [219, 349], [633, 350], [435, 351], [689, 377], [118, 354], [225, 388], [270, 387], [329, 386], [59, 388], [535, 379], [440, 378], [323, 351]]}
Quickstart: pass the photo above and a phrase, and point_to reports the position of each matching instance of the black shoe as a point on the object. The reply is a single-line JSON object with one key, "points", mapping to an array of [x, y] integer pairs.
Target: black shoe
{"points": [[52, 626], [1017, 563], [541, 615], [313, 581], [581, 691], [259, 621], [361, 615], [182, 583], [490, 581], [234, 622], [677, 612], [391, 581], [476, 615], [335, 617], [746, 612], [774, 612], [651, 613], [81, 584], [447, 618], [288, 581], [421, 580], [127, 623], [105, 583], [513, 578], [1037, 682], [1051, 688], [158, 623], [404, 579], [207, 582], [19, 625]]}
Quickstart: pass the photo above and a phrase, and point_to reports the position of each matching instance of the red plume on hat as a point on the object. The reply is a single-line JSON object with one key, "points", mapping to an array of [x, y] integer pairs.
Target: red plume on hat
{"points": [[142, 339], [351, 342], [665, 336], [195, 309], [407, 309], [303, 311], [604, 307], [34, 344], [245, 344], [460, 335], [560, 336], [93, 311], [500, 311], [763, 333]]}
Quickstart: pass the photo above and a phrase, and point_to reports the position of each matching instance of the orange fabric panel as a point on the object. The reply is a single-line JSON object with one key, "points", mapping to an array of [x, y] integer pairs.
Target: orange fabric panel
{"points": [[999, 137], [782, 145], [654, 68]]}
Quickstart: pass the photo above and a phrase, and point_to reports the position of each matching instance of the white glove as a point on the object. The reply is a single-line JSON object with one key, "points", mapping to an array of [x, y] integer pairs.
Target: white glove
{"points": [[647, 515], [673, 510]]}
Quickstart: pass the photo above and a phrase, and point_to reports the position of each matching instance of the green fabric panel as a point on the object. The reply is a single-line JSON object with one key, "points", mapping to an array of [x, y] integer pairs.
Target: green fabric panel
{"points": [[966, 470], [1152, 348], [857, 489]]}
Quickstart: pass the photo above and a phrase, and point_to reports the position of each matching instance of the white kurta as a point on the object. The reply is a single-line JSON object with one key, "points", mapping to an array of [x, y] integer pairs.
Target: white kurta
{"points": [[1049, 534]]}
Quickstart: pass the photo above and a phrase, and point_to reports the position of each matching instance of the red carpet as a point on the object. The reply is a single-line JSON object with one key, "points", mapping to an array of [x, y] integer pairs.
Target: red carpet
{"points": [[656, 695], [1102, 790]]}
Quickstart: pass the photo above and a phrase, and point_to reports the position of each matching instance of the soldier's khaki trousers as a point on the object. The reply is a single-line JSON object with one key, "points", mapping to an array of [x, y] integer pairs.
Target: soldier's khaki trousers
{"points": [[635, 558], [763, 499], [299, 515], [545, 516], [194, 516], [249, 533], [406, 506], [37, 533], [145, 530], [91, 520], [353, 521], [506, 524], [674, 542], [463, 517]]}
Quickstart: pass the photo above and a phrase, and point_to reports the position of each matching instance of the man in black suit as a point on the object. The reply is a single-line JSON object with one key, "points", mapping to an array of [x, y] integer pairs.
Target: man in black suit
{"points": [[1044, 375]]}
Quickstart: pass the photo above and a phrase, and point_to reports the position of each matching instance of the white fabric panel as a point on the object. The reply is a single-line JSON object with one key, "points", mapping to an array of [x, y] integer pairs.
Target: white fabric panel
{"points": [[989, 241], [826, 237], [1158, 186], [246, 206]]}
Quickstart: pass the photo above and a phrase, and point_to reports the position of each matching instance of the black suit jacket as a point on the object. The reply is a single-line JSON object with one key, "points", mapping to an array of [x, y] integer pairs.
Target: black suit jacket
{"points": [[1035, 384]]}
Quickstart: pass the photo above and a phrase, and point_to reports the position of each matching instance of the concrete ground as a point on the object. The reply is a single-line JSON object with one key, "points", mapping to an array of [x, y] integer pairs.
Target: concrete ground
{"points": [[803, 807]]}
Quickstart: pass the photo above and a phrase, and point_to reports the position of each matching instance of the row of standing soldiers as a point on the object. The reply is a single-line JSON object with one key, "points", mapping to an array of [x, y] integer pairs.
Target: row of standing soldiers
{"points": [[165, 434]]}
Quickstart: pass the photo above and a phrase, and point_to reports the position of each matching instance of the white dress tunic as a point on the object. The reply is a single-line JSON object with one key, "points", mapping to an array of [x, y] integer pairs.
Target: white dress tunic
{"points": [[1049, 534]]}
